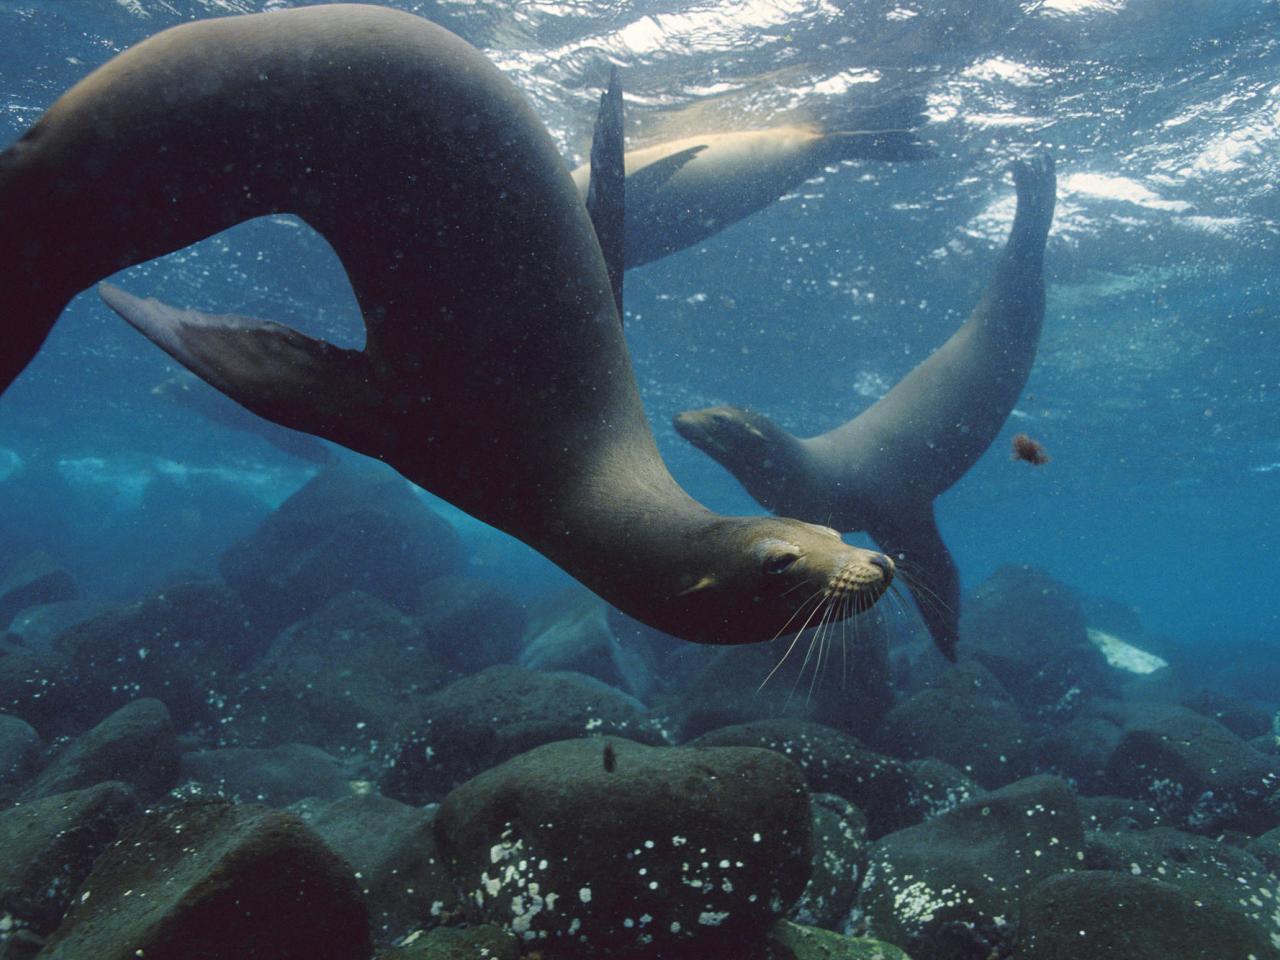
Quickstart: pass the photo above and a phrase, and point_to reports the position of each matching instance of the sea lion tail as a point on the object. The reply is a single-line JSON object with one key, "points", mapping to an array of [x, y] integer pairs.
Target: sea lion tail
{"points": [[880, 131], [269, 368], [927, 569]]}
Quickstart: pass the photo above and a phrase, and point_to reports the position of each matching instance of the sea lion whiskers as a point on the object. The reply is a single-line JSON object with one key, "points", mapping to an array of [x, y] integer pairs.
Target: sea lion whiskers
{"points": [[817, 594]]}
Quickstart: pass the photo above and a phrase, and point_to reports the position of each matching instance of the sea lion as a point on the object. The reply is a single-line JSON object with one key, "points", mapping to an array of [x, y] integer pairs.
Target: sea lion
{"points": [[682, 191], [494, 374], [881, 471]]}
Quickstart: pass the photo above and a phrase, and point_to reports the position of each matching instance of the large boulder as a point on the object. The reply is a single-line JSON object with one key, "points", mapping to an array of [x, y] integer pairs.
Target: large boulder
{"points": [[1029, 630], [482, 720], [966, 719], [392, 848], [469, 624], [848, 688], [1205, 869], [219, 882], [891, 793], [1099, 915], [182, 645], [275, 776], [572, 631], [40, 688], [49, 846], [135, 745], [347, 529], [952, 887], [339, 679], [600, 847], [1196, 772], [19, 744], [35, 580]]}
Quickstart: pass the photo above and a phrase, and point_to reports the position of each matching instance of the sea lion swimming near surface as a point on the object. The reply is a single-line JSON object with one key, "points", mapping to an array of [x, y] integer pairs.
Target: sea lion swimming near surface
{"points": [[881, 471], [682, 191], [494, 372]]}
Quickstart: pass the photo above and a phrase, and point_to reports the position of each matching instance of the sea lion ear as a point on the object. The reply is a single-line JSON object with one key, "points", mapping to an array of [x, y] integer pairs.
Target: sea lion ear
{"points": [[707, 581], [270, 368], [606, 190]]}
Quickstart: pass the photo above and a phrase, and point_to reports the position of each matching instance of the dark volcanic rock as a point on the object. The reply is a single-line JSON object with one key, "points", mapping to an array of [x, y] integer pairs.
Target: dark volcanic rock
{"points": [[348, 529], [1197, 773], [19, 744], [42, 689], [674, 848], [484, 941], [728, 691], [967, 720], [135, 745], [1117, 813], [1029, 631], [791, 941], [1239, 716], [1267, 849], [1203, 868], [471, 625], [839, 860], [1095, 915], [1079, 751], [218, 882], [181, 645], [340, 679], [572, 631], [48, 847], [950, 888], [392, 848], [482, 720], [888, 791], [276, 776], [33, 581]]}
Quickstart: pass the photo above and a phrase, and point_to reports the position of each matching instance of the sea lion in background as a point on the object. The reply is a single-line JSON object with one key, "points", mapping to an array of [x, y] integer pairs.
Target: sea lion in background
{"points": [[881, 471], [494, 374], [195, 395], [682, 191]]}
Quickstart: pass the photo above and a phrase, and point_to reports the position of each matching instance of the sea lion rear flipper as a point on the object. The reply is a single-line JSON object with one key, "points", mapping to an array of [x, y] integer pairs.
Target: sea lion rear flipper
{"points": [[929, 573], [606, 190], [273, 370]]}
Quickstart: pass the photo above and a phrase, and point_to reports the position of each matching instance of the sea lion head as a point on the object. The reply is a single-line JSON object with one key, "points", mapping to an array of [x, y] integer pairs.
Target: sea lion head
{"points": [[729, 432], [771, 576], [764, 457]]}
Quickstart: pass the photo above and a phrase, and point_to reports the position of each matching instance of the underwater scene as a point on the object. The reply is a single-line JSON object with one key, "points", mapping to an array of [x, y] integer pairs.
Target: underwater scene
{"points": [[674, 479]]}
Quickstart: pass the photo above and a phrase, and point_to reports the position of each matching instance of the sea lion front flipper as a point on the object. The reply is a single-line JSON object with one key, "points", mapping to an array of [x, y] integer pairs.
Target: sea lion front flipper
{"points": [[648, 179], [273, 370], [606, 190], [928, 571]]}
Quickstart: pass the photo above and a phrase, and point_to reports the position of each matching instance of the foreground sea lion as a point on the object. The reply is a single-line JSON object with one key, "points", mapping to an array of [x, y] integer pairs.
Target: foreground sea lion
{"points": [[881, 471], [682, 191], [494, 373]]}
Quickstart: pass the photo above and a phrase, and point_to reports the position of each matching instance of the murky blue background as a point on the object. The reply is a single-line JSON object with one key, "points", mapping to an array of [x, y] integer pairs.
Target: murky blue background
{"points": [[1157, 386]]}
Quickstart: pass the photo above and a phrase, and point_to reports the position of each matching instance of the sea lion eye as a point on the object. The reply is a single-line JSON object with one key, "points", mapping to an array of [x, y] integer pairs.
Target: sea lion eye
{"points": [[780, 563]]}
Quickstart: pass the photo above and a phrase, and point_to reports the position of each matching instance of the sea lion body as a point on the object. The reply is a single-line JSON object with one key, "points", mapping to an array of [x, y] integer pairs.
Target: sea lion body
{"points": [[714, 180], [494, 372], [881, 471]]}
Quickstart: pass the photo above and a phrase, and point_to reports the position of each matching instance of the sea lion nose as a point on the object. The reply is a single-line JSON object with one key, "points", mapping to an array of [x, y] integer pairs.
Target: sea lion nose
{"points": [[884, 563]]}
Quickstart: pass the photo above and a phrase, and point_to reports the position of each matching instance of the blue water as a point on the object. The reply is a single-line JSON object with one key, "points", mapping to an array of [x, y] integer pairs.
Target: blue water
{"points": [[1155, 391]]}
